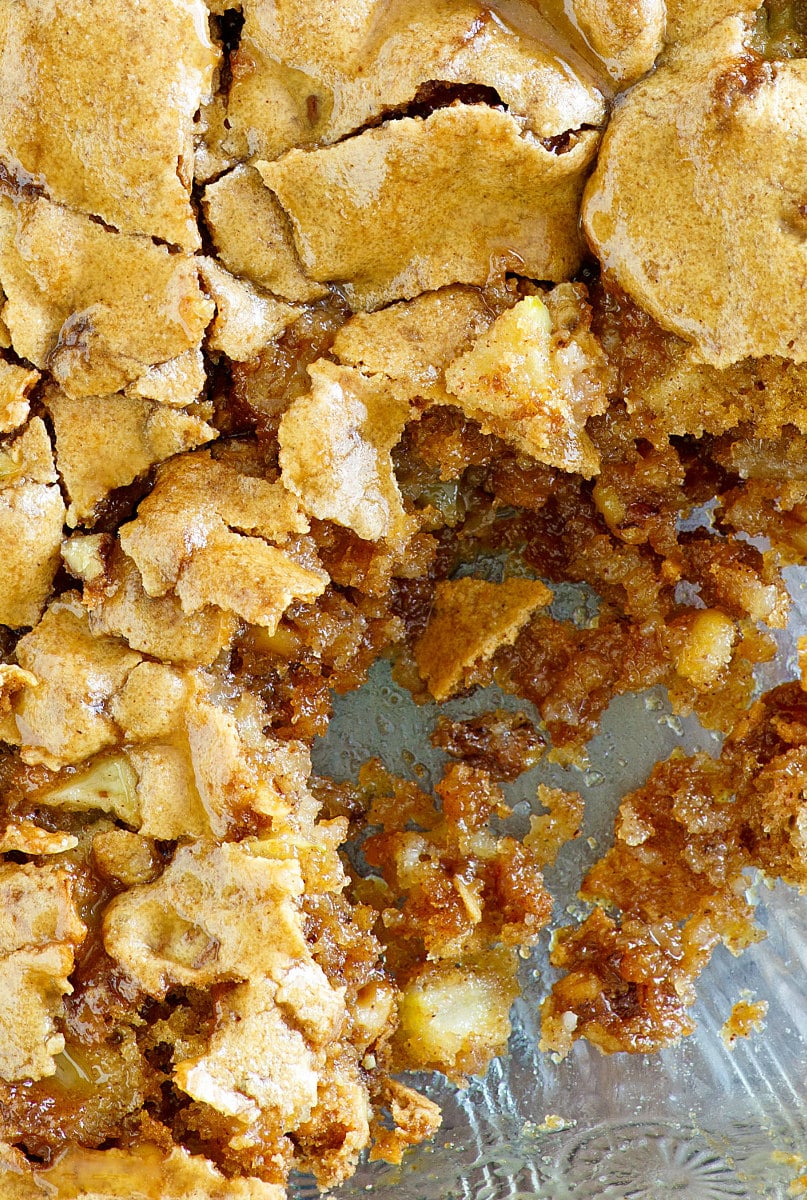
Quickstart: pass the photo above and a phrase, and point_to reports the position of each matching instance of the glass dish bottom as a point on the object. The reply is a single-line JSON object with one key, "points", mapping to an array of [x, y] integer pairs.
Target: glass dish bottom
{"points": [[697, 1120]]}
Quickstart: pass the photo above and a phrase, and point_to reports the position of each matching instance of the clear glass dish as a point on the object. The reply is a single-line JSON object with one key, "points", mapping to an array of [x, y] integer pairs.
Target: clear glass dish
{"points": [[699, 1120]]}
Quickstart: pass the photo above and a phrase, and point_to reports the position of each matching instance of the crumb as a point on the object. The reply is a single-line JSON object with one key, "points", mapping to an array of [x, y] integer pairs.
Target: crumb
{"points": [[747, 1017]]}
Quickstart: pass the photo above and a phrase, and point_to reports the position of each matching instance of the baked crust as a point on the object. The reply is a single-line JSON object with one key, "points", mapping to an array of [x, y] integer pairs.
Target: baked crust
{"points": [[365, 392]]}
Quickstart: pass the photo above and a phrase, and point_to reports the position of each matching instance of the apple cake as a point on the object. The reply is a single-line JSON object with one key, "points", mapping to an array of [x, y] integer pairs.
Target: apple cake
{"points": [[308, 311]]}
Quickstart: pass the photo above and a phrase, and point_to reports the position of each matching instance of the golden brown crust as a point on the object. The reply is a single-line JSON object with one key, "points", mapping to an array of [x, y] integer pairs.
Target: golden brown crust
{"points": [[303, 77], [470, 620], [98, 102], [666, 209], [335, 445], [197, 993], [97, 308], [32, 514], [448, 227]]}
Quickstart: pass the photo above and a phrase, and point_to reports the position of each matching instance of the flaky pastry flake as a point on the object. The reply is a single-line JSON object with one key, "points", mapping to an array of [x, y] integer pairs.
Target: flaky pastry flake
{"points": [[152, 702], [97, 308], [335, 447], [125, 857], [168, 799], [64, 719], [413, 341], [15, 383], [534, 386], [39, 929], [32, 516], [246, 576], [239, 771], [667, 209], [245, 321], [104, 120], [689, 19], [106, 442], [256, 1062], [191, 534], [253, 236], [146, 1171], [194, 499], [217, 913], [302, 77], [13, 681], [470, 620], [417, 204], [157, 625], [32, 984], [37, 907], [28, 457], [26, 837], [177, 382]]}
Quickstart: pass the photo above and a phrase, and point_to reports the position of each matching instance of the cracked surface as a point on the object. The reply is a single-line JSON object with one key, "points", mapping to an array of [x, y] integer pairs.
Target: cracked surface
{"points": [[98, 107], [304, 361], [723, 276], [405, 225], [303, 79], [97, 308]]}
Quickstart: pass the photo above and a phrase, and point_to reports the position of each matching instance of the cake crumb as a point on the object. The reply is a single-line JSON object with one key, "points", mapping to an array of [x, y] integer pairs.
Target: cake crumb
{"points": [[747, 1017]]}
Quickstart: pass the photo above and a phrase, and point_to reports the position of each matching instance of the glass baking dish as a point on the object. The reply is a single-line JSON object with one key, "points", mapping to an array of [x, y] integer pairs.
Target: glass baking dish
{"points": [[699, 1120]]}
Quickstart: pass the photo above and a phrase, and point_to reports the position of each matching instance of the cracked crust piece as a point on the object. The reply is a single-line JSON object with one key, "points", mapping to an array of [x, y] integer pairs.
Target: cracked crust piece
{"points": [[178, 381], [667, 209], [245, 320], [146, 1171], [241, 774], [277, 1055], [15, 384], [253, 236], [28, 838], [97, 103], [230, 561], [97, 308], [689, 19], [279, 1050], [667, 393], [302, 78], [32, 514], [418, 204], [155, 625], [188, 768], [335, 451], [106, 442], [534, 378], [39, 931], [62, 718], [470, 620], [414, 341], [257, 1061], [218, 913]]}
